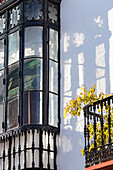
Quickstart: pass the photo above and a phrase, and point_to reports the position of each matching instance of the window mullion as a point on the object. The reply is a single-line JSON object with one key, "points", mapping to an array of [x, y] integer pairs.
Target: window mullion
{"points": [[45, 67], [6, 77], [46, 78], [20, 76]]}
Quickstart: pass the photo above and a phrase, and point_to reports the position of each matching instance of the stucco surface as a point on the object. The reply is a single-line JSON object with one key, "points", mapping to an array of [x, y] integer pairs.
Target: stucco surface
{"points": [[86, 58]]}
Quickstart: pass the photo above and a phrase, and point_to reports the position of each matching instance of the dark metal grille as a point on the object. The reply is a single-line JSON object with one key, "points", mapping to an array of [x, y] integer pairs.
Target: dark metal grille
{"points": [[100, 116], [29, 147]]}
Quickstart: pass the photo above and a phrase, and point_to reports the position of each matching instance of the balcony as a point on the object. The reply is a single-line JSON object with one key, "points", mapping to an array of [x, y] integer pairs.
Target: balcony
{"points": [[98, 133], [29, 147]]}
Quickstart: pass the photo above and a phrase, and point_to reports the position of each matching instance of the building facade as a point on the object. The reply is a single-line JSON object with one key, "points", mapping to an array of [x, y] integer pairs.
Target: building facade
{"points": [[48, 50], [86, 58]]}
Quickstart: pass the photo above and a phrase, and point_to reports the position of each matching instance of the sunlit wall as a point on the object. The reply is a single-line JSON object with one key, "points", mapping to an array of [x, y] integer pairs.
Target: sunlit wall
{"points": [[86, 58]]}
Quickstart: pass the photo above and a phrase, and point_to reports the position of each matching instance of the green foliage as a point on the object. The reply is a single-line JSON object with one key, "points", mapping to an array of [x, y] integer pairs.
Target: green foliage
{"points": [[75, 106]]}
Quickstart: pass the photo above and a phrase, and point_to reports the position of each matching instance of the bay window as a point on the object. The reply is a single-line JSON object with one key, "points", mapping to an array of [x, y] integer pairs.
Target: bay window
{"points": [[29, 83]]}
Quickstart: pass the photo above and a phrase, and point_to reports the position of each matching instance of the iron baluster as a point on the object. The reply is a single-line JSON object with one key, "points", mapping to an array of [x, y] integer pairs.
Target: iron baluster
{"points": [[55, 152], [88, 127], [102, 141], [33, 145], [48, 149], [25, 140], [85, 149], [14, 153], [94, 107], [109, 121], [40, 150], [19, 152]]}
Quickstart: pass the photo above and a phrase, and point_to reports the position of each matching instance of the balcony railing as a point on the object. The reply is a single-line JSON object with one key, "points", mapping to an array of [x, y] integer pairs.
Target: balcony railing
{"points": [[29, 147], [98, 131]]}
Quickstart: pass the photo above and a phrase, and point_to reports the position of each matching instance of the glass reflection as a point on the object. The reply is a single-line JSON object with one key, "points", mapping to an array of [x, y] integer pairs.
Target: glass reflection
{"points": [[32, 107], [53, 13], [1, 85], [51, 160], [16, 161], [45, 140], [33, 10], [33, 42], [12, 113], [22, 160], [33, 74], [45, 159], [29, 158], [6, 162], [29, 139], [53, 45], [36, 157], [14, 16], [53, 76], [13, 47], [53, 110], [2, 23], [1, 54], [51, 139], [13, 80], [1, 115]]}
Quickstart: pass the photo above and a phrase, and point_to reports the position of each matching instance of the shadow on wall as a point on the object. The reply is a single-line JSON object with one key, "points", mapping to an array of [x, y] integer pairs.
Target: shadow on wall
{"points": [[86, 58]]}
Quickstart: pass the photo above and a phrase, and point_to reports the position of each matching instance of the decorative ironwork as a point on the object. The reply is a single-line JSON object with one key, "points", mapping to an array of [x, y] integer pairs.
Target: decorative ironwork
{"points": [[96, 115], [33, 10], [29, 147]]}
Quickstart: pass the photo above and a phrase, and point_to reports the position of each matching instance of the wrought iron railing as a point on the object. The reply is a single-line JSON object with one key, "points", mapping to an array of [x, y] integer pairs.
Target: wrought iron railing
{"points": [[98, 131], [29, 147]]}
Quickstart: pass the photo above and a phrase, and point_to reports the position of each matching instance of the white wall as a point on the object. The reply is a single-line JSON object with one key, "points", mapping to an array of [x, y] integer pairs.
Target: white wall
{"points": [[86, 58]]}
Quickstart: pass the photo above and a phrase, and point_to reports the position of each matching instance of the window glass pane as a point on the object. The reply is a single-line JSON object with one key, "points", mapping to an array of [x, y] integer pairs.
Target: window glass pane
{"points": [[51, 158], [36, 157], [13, 47], [32, 107], [36, 139], [2, 94], [51, 141], [45, 159], [53, 45], [22, 160], [1, 85], [13, 80], [29, 158], [1, 54], [33, 42], [29, 139], [33, 10], [2, 23], [53, 110], [14, 16], [1, 162], [1, 115], [12, 113], [53, 13], [33, 74], [6, 162], [45, 140], [53, 76], [16, 161]]}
